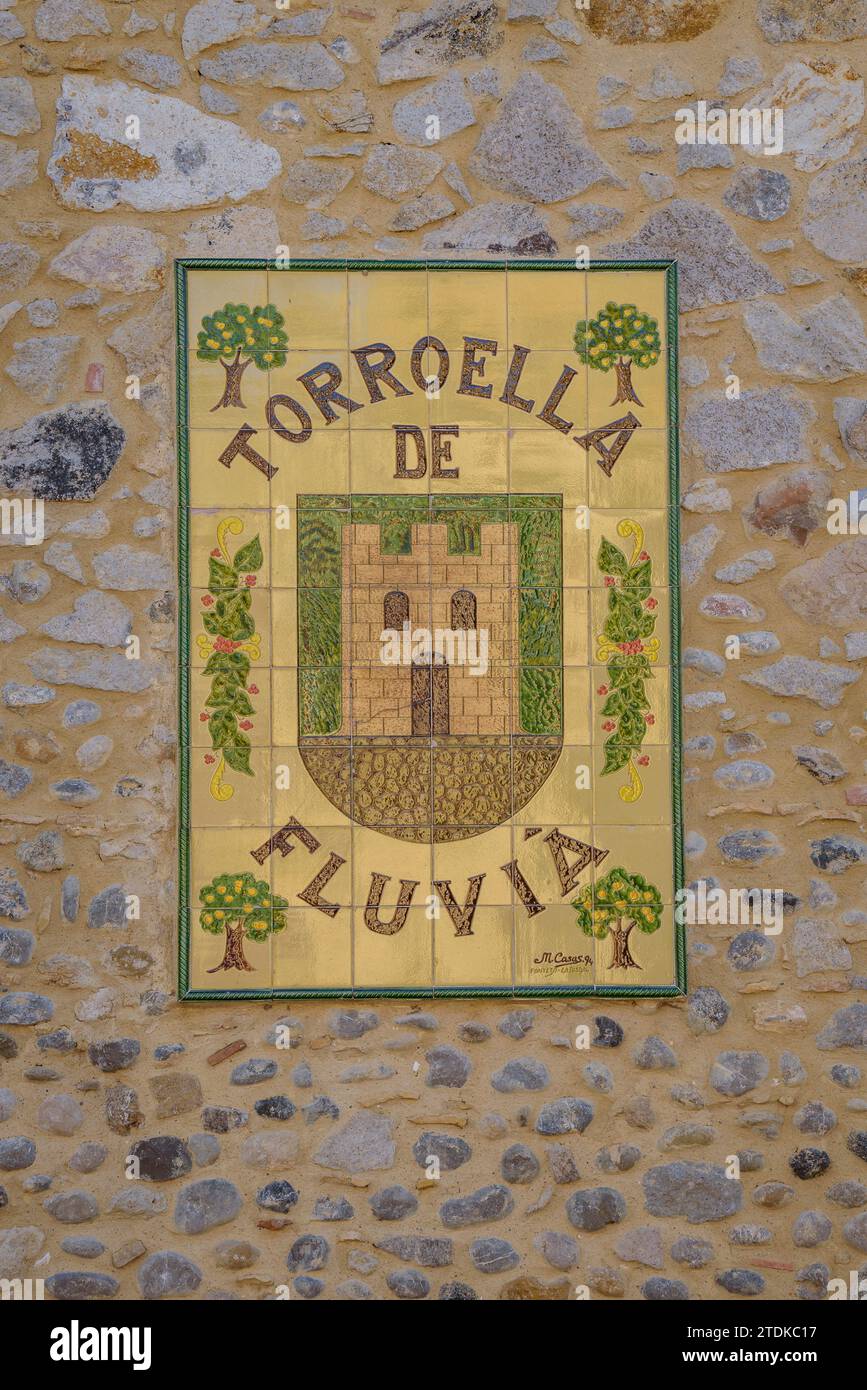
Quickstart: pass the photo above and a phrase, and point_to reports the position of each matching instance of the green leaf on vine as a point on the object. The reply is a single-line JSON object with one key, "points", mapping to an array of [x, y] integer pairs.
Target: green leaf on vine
{"points": [[611, 560], [220, 576], [616, 755], [249, 557]]}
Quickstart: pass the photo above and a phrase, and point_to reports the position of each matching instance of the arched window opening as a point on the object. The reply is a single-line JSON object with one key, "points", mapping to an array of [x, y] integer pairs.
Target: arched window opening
{"points": [[463, 610]]}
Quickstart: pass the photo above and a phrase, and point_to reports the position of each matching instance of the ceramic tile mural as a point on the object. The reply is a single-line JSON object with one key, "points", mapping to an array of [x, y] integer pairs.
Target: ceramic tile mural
{"points": [[429, 629]]}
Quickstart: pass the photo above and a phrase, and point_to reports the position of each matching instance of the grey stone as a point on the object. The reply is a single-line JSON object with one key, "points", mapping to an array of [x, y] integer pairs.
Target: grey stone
{"points": [[450, 1151], [332, 1209], [819, 681], [394, 172], [72, 1208], [14, 779], [18, 111], [560, 1250], [363, 1144], [491, 1255], [301, 67], [23, 1008], [308, 1253], [60, 1114], [393, 1203], [66, 454], [431, 1252], [13, 899], [654, 1055], [162, 1158], [167, 1272], [80, 712], [536, 148], [519, 1164], [827, 343], [16, 1152], [523, 1074], [690, 1251], [94, 671], [18, 265], [158, 70], [352, 1023], [486, 1204], [438, 37], [836, 853], [715, 266], [445, 100], [282, 116], [88, 1156], [206, 1203], [107, 908], [205, 1149], [817, 948], [447, 1066], [761, 428], [762, 194], [77, 1284], [735, 1073], [279, 1196], [829, 590], [707, 1011], [697, 1191], [40, 366], [408, 1283], [595, 1207], [810, 1229], [218, 21], [497, 228], [85, 1247], [643, 1246], [115, 1054], [254, 1070], [211, 161], [855, 1232], [741, 1281]]}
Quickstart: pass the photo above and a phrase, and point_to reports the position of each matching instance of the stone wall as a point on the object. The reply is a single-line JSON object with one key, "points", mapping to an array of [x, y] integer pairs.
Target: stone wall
{"points": [[132, 133]]}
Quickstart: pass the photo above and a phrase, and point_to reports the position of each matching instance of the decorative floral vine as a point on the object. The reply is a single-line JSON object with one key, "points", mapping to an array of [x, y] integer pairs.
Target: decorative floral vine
{"points": [[230, 642], [628, 647]]}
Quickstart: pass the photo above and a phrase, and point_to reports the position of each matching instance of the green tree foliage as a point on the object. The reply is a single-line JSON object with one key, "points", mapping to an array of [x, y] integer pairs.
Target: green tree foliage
{"points": [[614, 906], [620, 336], [237, 335], [243, 907]]}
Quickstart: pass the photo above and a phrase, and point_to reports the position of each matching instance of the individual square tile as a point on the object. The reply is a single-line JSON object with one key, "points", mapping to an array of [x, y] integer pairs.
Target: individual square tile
{"points": [[393, 384], [284, 704], [470, 456], [638, 850], [482, 958], [552, 953], [313, 952], [247, 699], [315, 307], [312, 866], [459, 862], [319, 462], [387, 872], [552, 391], [393, 949], [233, 953], [229, 550], [635, 534], [555, 861], [467, 304], [576, 627], [629, 468], [636, 787], [629, 630], [545, 308], [566, 793], [230, 631], [227, 393], [644, 704], [550, 460], [384, 462], [390, 300], [310, 784], [645, 959], [220, 475], [230, 784]]}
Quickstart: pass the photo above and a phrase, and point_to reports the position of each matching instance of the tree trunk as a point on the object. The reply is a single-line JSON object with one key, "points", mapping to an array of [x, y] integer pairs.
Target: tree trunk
{"points": [[232, 391], [233, 956], [622, 958], [625, 389]]}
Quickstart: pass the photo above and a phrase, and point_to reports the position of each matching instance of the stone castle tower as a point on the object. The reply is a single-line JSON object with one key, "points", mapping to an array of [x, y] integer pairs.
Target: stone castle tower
{"points": [[434, 590]]}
